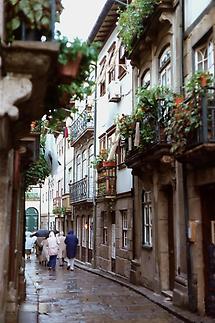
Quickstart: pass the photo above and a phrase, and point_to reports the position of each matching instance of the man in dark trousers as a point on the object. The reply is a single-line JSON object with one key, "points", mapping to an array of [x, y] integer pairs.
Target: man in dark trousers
{"points": [[71, 242]]}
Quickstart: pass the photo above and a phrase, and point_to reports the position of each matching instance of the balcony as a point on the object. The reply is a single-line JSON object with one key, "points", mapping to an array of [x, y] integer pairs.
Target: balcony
{"points": [[82, 127], [200, 146], [106, 182], [30, 73], [57, 202], [153, 152], [81, 191], [66, 203]]}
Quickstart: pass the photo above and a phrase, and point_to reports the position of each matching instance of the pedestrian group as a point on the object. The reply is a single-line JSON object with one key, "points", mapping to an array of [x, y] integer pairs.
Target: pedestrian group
{"points": [[60, 247]]}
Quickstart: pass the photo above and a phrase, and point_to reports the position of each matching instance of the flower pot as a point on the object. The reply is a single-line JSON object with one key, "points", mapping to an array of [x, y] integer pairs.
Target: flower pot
{"points": [[69, 71], [203, 80], [109, 164]]}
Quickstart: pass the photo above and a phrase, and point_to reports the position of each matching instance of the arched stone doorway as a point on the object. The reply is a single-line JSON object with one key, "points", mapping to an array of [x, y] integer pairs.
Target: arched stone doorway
{"points": [[31, 219]]}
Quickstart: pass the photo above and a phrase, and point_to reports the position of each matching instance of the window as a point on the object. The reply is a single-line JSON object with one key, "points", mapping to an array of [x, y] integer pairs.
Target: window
{"points": [[145, 79], [122, 62], [102, 143], [124, 229], [204, 57], [165, 67], [147, 218], [84, 232], [78, 229], [91, 232], [84, 164], [104, 227], [102, 76], [111, 63], [121, 152], [78, 167]]}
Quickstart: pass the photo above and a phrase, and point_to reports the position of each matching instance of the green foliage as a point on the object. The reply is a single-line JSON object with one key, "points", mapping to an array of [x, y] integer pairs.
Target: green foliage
{"points": [[38, 171], [185, 116], [131, 21], [59, 210], [82, 85], [36, 14], [153, 107]]}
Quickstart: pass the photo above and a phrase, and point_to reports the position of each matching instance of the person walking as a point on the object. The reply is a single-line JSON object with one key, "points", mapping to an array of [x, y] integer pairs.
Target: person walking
{"points": [[29, 243], [71, 242], [62, 248], [53, 246]]}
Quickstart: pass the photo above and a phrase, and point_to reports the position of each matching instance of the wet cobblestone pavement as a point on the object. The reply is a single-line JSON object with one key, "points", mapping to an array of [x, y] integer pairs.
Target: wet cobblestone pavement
{"points": [[80, 296]]}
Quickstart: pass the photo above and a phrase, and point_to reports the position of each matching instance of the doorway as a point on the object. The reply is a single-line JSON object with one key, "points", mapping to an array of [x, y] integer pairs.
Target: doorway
{"points": [[208, 231], [168, 214], [113, 243]]}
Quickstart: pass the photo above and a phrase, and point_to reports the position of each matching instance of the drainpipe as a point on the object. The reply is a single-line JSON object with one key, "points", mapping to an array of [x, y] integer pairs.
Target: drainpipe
{"points": [[94, 172], [191, 292]]}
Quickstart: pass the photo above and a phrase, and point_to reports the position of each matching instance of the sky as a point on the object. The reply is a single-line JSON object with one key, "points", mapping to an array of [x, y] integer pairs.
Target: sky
{"points": [[79, 17]]}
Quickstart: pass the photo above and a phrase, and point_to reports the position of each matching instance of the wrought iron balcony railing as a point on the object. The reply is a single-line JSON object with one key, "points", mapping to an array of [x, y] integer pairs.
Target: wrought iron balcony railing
{"points": [[81, 126], [206, 132], [106, 182], [81, 190]]}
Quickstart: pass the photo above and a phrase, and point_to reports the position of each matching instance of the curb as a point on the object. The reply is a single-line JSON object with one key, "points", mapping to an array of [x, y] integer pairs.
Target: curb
{"points": [[158, 299]]}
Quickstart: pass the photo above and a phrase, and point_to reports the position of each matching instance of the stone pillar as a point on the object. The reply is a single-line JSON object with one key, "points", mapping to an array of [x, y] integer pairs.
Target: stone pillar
{"points": [[12, 89], [135, 273], [180, 293], [6, 162]]}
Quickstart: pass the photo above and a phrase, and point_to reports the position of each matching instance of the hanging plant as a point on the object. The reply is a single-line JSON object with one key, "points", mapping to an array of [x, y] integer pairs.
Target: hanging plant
{"points": [[82, 56], [38, 170], [130, 21]]}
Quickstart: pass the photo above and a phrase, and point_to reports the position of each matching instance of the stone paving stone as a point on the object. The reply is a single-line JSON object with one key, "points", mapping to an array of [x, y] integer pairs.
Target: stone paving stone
{"points": [[83, 297]]}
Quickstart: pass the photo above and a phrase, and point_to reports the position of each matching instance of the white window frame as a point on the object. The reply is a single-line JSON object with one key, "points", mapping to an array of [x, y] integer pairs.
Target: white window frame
{"points": [[124, 215], [145, 80], [147, 218], [165, 67], [204, 57]]}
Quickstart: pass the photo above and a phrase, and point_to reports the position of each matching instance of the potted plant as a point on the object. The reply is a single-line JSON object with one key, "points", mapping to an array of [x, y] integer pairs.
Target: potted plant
{"points": [[185, 117], [37, 171], [75, 57], [23, 17]]}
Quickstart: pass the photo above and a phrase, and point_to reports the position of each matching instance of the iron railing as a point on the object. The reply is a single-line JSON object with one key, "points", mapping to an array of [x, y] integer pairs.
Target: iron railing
{"points": [[206, 132], [80, 125], [80, 190], [106, 182]]}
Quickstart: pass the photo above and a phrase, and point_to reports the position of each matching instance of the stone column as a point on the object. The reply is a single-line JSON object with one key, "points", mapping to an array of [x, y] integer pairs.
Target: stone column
{"points": [[12, 89]]}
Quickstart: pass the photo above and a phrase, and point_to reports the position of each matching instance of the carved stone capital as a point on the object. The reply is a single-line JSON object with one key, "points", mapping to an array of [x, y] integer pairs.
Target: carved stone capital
{"points": [[13, 89]]}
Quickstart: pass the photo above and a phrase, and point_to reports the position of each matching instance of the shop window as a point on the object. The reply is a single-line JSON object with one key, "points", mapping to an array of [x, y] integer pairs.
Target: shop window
{"points": [[204, 56], [146, 219], [165, 67], [124, 215]]}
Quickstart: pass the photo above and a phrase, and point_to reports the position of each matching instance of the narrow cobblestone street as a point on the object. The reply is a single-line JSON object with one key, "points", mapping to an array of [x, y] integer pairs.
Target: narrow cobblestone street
{"points": [[81, 296]]}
